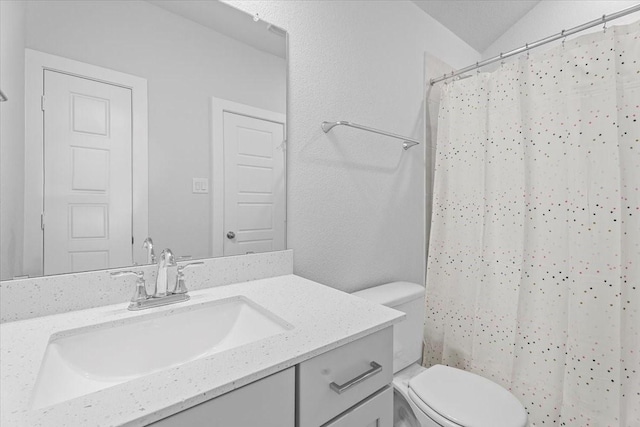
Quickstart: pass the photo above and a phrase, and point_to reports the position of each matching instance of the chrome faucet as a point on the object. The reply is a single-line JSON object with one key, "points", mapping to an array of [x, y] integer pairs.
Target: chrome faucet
{"points": [[151, 255], [166, 265], [163, 294]]}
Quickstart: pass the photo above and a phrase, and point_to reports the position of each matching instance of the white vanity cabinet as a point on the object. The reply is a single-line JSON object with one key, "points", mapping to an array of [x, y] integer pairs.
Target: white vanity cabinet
{"points": [[348, 386], [345, 387], [269, 402]]}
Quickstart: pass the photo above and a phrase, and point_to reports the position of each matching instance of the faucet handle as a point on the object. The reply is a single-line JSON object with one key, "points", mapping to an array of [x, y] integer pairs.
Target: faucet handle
{"points": [[182, 267], [138, 274], [140, 293], [181, 287]]}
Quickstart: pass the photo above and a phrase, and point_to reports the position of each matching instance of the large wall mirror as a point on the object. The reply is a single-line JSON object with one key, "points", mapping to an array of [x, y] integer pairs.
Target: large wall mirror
{"points": [[162, 119]]}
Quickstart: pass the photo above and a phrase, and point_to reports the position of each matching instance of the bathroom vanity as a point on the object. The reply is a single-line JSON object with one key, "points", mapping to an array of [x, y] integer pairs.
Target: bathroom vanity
{"points": [[272, 399], [289, 352]]}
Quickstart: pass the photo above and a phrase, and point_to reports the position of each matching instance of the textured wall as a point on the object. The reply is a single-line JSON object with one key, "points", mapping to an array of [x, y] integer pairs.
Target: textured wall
{"points": [[12, 16], [356, 215]]}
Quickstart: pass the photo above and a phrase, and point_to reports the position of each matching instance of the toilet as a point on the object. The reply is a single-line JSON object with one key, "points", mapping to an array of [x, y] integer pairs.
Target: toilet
{"points": [[439, 396]]}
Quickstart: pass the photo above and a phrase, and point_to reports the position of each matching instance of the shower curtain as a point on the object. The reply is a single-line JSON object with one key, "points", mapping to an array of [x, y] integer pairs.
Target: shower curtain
{"points": [[534, 255]]}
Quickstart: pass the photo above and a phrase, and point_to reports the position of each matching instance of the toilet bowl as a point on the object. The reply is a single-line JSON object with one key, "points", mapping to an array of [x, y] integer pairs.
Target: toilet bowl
{"points": [[439, 396]]}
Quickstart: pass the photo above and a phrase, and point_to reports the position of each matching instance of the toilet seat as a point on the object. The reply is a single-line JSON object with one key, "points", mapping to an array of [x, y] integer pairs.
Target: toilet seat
{"points": [[456, 398]]}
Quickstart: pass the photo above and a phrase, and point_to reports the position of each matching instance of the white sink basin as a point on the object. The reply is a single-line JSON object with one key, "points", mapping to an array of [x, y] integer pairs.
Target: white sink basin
{"points": [[85, 360]]}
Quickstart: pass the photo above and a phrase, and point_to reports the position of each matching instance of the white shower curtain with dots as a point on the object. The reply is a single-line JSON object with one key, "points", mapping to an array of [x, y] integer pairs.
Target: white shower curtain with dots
{"points": [[534, 255]]}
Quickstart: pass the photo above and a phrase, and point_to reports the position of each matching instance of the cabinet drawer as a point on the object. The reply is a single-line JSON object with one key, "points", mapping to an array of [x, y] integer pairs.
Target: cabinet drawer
{"points": [[377, 411], [332, 382]]}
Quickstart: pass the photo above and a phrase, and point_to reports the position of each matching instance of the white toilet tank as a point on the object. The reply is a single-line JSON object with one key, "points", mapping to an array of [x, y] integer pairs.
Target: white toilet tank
{"points": [[407, 335]]}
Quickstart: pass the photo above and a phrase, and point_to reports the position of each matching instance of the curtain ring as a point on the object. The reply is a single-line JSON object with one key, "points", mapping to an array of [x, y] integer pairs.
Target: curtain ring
{"points": [[604, 23], [564, 38], [501, 60], [526, 45], [477, 68]]}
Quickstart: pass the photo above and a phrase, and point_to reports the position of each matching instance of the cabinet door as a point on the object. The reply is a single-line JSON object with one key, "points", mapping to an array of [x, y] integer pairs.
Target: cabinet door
{"points": [[376, 411], [269, 402]]}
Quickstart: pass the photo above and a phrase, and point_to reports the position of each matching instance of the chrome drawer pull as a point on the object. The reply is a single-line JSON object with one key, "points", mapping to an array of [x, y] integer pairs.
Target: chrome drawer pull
{"points": [[375, 368]]}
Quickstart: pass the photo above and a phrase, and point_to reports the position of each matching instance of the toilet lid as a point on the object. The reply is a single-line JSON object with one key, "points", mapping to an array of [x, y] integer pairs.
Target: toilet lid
{"points": [[466, 399]]}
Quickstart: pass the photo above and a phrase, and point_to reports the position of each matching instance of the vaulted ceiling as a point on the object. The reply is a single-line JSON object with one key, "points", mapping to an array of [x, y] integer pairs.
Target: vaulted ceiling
{"points": [[478, 22]]}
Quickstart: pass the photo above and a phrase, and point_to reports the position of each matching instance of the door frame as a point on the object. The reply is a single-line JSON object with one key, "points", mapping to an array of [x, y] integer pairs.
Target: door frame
{"points": [[220, 106], [36, 63]]}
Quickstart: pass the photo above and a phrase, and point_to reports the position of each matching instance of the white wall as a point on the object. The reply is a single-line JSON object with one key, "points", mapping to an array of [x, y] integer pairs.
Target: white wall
{"points": [[185, 64], [435, 67], [12, 42], [551, 17], [356, 215]]}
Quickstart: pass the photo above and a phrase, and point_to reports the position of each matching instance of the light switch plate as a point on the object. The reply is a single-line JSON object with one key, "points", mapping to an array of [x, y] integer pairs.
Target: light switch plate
{"points": [[201, 185]]}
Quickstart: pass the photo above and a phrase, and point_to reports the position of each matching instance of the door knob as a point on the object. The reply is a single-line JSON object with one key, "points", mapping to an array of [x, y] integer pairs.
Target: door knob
{"points": [[231, 235]]}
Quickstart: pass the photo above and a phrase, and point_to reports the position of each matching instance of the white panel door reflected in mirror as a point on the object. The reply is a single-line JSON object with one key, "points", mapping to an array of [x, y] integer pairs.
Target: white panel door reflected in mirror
{"points": [[251, 201], [87, 180]]}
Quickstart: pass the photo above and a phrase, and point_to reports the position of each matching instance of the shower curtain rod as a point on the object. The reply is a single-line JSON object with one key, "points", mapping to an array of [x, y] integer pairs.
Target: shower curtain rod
{"points": [[528, 46]]}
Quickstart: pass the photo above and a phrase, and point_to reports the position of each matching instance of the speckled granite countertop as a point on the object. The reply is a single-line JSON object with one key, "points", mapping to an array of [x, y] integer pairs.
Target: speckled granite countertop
{"points": [[323, 319]]}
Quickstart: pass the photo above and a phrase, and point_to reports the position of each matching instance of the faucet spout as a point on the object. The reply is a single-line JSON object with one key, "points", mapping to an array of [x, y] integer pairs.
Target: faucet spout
{"points": [[165, 264], [151, 255]]}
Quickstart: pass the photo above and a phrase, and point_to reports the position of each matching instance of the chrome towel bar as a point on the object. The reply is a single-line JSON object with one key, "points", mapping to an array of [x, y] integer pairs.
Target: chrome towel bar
{"points": [[407, 142]]}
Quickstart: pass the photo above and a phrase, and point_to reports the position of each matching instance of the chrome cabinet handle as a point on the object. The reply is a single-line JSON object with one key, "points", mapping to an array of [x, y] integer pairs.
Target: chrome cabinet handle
{"points": [[375, 368], [231, 235]]}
